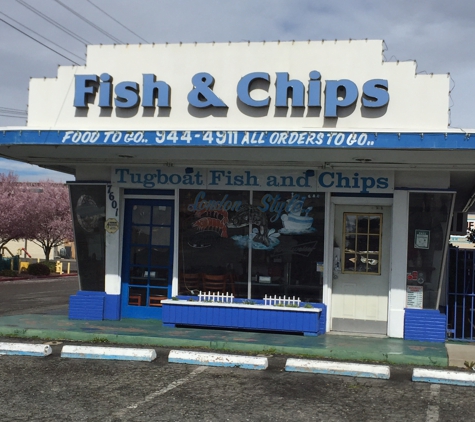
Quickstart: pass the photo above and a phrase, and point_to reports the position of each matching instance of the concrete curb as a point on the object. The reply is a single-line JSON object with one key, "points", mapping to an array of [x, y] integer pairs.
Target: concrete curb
{"points": [[114, 353], [337, 368], [436, 376], [233, 346], [214, 359], [25, 349]]}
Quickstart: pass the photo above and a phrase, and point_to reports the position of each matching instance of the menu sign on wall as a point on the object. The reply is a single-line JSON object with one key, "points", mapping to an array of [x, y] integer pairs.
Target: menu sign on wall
{"points": [[414, 297]]}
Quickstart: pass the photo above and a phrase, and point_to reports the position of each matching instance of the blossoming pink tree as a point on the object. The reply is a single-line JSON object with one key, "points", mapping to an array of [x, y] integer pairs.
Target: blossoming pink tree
{"points": [[39, 212], [13, 203], [49, 215]]}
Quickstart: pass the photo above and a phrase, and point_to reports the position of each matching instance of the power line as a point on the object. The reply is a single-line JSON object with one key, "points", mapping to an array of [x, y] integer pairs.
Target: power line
{"points": [[36, 33], [53, 22], [39, 42], [90, 23], [115, 20]]}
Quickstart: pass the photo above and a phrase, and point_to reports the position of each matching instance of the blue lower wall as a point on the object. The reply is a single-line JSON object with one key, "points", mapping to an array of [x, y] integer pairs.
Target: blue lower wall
{"points": [[94, 306], [112, 307], [245, 318], [424, 325]]}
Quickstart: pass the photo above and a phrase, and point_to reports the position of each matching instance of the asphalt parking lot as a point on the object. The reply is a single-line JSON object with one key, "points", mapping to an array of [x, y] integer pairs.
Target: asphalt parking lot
{"points": [[56, 388], [37, 295]]}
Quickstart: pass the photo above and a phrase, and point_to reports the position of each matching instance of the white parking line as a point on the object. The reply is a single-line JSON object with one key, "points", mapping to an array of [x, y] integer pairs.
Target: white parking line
{"points": [[158, 393], [433, 407]]}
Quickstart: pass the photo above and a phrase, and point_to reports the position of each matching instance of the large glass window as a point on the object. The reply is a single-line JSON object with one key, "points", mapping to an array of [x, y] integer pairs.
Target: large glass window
{"points": [[208, 226], [88, 205], [427, 242], [287, 243], [263, 242]]}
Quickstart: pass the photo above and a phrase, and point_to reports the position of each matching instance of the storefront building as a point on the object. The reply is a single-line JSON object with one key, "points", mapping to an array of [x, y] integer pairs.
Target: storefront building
{"points": [[311, 170]]}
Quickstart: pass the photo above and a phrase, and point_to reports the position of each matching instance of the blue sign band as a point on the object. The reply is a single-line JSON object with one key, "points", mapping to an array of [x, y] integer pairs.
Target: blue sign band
{"points": [[286, 139]]}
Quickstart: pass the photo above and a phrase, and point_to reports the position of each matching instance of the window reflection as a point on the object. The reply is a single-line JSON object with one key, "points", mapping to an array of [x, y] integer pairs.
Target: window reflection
{"points": [[162, 215], [362, 234], [88, 206], [141, 214], [427, 240], [280, 233]]}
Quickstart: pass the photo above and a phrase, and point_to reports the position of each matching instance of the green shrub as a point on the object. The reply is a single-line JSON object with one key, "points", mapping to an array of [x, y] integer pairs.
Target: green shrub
{"points": [[8, 273], [51, 265], [38, 269]]}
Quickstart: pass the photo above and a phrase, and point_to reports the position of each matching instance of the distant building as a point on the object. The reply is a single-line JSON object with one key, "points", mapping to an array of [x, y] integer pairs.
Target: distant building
{"points": [[28, 249]]}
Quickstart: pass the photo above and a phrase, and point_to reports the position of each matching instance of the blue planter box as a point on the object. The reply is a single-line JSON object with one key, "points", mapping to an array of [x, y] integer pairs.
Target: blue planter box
{"points": [[244, 317]]}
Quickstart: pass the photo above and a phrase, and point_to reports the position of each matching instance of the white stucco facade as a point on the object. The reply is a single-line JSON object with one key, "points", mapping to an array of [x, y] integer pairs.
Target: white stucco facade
{"points": [[331, 121]]}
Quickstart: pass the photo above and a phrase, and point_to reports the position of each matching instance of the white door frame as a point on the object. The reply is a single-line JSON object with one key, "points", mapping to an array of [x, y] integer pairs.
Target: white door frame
{"points": [[330, 203]]}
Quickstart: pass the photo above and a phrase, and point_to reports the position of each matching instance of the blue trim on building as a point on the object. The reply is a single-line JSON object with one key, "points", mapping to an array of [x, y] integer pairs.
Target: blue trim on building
{"points": [[280, 139], [424, 325], [145, 311], [161, 192], [112, 307]]}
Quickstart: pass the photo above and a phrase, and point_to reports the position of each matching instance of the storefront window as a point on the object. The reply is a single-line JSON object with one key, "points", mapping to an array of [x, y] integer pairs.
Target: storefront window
{"points": [[261, 242], [287, 243], [88, 205], [206, 235], [427, 242]]}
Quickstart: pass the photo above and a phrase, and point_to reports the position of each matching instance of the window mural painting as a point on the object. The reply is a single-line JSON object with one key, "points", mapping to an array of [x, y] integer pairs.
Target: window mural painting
{"points": [[263, 243], [88, 206], [260, 237]]}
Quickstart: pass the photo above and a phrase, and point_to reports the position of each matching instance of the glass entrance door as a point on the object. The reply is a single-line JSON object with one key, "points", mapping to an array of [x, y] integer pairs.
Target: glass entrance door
{"points": [[147, 262]]}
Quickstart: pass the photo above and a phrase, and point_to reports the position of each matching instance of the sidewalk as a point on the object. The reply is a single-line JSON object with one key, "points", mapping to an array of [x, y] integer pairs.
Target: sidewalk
{"points": [[151, 333]]}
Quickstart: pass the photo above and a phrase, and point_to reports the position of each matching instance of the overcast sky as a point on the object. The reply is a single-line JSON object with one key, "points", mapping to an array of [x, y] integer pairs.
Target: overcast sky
{"points": [[438, 34]]}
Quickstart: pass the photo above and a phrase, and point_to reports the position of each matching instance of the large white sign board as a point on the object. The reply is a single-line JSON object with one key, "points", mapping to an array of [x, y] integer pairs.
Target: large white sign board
{"points": [[240, 86]]}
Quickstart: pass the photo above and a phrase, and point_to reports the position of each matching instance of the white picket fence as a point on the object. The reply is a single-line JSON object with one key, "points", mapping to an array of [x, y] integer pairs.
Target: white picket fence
{"points": [[215, 297], [281, 301], [229, 298]]}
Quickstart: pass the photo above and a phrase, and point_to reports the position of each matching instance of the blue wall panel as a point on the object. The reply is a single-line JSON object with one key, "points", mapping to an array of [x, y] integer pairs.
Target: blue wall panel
{"points": [[87, 306], [112, 307], [247, 318], [424, 325]]}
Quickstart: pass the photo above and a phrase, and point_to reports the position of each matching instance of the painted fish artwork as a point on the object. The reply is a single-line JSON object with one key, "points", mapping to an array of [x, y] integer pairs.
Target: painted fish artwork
{"points": [[249, 214], [212, 220], [251, 242]]}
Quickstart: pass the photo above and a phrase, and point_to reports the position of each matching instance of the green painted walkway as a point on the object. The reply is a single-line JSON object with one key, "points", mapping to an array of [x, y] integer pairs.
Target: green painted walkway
{"points": [[152, 333]]}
